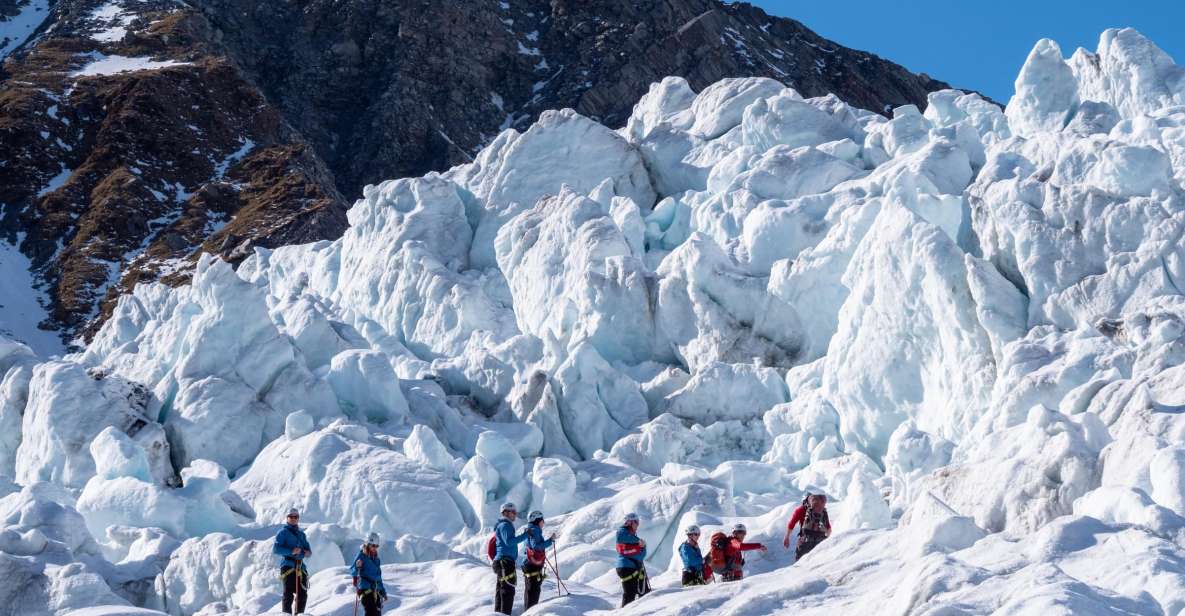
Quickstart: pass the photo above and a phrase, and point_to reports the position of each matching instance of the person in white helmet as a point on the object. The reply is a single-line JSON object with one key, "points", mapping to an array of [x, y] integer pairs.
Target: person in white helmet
{"points": [[535, 559], [735, 555], [368, 577], [695, 571], [631, 554], [506, 559]]}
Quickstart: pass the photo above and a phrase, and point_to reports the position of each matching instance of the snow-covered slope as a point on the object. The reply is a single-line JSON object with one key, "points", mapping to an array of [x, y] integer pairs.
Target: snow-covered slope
{"points": [[22, 306], [18, 26], [966, 326]]}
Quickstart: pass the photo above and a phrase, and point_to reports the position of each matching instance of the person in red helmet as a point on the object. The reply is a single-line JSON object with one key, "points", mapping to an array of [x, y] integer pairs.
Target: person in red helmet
{"points": [[816, 526], [734, 568]]}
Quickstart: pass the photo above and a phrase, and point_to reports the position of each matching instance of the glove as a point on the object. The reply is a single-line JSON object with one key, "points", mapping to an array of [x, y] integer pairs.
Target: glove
{"points": [[383, 594], [551, 537], [786, 542], [355, 583]]}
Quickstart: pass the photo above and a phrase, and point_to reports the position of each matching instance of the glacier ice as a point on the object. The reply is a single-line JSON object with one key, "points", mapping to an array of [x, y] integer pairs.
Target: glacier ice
{"points": [[963, 324]]}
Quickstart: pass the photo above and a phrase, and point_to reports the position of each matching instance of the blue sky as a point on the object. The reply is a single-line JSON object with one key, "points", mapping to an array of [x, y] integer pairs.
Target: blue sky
{"points": [[981, 45]]}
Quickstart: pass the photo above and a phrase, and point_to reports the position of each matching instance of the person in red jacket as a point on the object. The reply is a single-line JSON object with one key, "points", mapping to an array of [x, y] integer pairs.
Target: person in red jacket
{"points": [[734, 568], [812, 515]]}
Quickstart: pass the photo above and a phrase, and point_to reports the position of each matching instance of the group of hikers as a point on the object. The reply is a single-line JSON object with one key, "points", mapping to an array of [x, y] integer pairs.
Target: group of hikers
{"points": [[725, 557]]}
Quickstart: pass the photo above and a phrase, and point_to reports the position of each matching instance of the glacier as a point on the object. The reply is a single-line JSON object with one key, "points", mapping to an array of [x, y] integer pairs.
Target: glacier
{"points": [[965, 325]]}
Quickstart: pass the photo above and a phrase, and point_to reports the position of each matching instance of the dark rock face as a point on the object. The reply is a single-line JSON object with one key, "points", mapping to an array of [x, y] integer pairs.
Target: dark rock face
{"points": [[135, 134], [389, 89]]}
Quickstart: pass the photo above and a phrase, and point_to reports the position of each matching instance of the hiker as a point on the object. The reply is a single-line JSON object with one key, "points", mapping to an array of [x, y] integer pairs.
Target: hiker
{"points": [[631, 552], [695, 571], [812, 515], [535, 559], [368, 577], [293, 548], [505, 559], [734, 568]]}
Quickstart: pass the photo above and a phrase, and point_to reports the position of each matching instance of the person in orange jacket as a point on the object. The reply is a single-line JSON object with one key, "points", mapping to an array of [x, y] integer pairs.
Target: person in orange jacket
{"points": [[734, 568]]}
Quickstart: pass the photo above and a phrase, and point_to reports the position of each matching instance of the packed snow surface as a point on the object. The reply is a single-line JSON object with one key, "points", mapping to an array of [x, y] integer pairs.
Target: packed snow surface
{"points": [[964, 325]]}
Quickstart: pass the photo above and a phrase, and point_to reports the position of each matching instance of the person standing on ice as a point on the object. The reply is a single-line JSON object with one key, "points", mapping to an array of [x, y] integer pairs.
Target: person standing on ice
{"points": [[734, 569], [535, 559], [505, 559], [812, 515], [293, 548], [368, 577], [631, 554], [695, 570]]}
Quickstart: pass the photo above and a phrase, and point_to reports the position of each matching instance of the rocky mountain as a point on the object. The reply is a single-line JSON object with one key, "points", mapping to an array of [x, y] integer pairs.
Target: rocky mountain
{"points": [[136, 133]]}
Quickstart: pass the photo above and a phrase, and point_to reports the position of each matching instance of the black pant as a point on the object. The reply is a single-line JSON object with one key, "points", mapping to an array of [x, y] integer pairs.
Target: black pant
{"points": [[534, 578], [506, 576], [691, 577], [372, 602], [807, 541], [634, 584], [289, 575]]}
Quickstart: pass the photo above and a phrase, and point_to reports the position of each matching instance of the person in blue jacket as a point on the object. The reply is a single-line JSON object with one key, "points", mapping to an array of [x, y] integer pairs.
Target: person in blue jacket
{"points": [[293, 548], [368, 577], [631, 554], [693, 559], [506, 558], [536, 557]]}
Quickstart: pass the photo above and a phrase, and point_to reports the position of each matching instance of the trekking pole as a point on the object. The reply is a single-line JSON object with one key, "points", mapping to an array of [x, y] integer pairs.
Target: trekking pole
{"points": [[355, 601], [555, 565], [558, 584]]}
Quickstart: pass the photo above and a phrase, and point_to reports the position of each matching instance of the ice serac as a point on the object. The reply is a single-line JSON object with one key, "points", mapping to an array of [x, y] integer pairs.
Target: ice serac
{"points": [[1046, 92], [710, 310], [69, 406], [562, 148], [928, 358], [574, 278], [1130, 73], [337, 475]]}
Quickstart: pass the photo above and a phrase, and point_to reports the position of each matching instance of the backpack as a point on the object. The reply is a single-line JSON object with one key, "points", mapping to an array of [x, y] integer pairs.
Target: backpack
{"points": [[536, 557], [718, 554], [492, 547]]}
